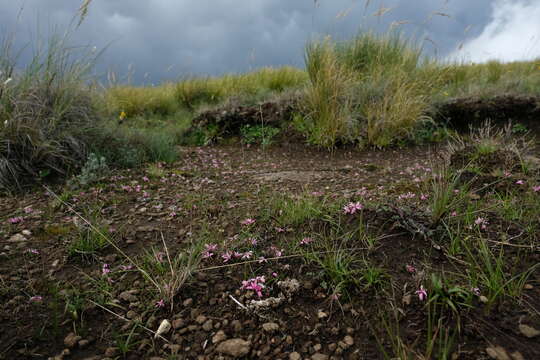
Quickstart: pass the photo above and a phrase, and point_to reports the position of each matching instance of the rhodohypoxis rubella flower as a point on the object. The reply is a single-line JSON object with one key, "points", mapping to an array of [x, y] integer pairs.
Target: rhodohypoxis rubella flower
{"points": [[422, 293], [15, 220], [410, 269], [160, 303], [255, 284], [36, 298], [105, 269], [482, 222], [247, 221], [226, 256], [352, 207], [536, 188], [306, 241]]}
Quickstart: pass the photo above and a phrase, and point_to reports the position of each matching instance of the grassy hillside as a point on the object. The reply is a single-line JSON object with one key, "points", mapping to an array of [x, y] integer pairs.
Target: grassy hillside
{"points": [[373, 90]]}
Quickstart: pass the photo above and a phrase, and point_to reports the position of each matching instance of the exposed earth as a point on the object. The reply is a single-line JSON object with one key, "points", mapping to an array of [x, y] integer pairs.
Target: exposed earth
{"points": [[59, 304]]}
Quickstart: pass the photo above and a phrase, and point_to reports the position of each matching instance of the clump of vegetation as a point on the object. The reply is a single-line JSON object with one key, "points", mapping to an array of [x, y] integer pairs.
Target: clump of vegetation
{"points": [[258, 134], [47, 112], [93, 170]]}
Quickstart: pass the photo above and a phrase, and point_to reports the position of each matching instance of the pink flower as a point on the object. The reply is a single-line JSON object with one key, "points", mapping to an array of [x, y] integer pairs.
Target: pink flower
{"points": [[352, 207], [253, 241], [262, 259], [422, 293], [424, 197], [160, 256], [408, 195], [476, 291], [227, 256], [28, 210], [247, 221], [145, 179], [211, 247], [520, 182], [36, 298], [126, 267], [207, 254], [280, 230], [277, 252], [453, 214], [306, 241], [247, 255], [105, 269], [160, 303], [274, 274], [15, 220], [237, 254], [32, 251], [410, 269], [482, 222], [255, 284], [536, 188]]}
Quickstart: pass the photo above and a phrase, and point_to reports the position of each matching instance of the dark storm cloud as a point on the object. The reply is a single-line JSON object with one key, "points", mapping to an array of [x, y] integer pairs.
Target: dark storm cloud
{"points": [[171, 38]]}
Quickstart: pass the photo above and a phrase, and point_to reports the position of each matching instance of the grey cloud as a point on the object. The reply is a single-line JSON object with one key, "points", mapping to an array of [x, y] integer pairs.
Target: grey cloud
{"points": [[218, 36]]}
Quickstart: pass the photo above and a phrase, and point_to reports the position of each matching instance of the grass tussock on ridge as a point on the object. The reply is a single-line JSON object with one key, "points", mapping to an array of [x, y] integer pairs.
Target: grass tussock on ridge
{"points": [[379, 89], [47, 111]]}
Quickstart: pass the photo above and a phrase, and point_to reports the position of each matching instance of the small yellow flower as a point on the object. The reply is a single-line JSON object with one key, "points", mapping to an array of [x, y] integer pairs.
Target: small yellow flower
{"points": [[123, 115]]}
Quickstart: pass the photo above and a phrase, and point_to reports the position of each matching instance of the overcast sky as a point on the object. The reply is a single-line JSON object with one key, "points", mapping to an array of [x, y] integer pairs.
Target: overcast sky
{"points": [[167, 39]]}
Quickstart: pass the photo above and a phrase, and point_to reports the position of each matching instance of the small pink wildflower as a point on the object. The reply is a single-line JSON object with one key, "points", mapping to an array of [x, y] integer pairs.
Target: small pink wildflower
{"points": [[227, 256], [36, 298], [277, 252], [453, 214], [160, 256], [424, 197], [247, 221], [237, 255], [422, 293], [145, 179], [520, 182], [15, 220], [160, 303], [32, 251], [352, 208], [253, 241], [476, 291], [306, 241], [280, 230], [247, 255], [211, 247], [28, 210], [262, 259], [536, 188], [408, 195], [105, 269], [126, 267], [410, 269], [482, 222], [255, 284]]}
